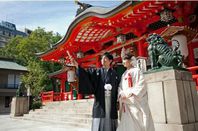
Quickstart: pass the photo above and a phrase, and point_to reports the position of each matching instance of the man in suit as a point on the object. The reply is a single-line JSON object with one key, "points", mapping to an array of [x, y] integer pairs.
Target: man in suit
{"points": [[103, 83]]}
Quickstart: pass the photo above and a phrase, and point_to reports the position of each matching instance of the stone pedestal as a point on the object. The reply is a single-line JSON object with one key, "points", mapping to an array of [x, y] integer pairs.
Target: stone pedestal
{"points": [[19, 106], [173, 100]]}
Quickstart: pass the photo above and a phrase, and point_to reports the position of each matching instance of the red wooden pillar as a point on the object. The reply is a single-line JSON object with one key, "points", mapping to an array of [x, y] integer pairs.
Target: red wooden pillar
{"points": [[141, 48], [62, 89], [72, 95], [79, 96], [63, 85], [98, 63], [191, 56], [145, 49]]}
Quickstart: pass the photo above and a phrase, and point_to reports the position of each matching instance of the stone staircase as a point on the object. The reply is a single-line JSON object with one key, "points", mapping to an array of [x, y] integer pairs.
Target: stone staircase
{"points": [[74, 113]]}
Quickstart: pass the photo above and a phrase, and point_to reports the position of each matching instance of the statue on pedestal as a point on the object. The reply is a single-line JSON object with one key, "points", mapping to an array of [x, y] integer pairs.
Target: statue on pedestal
{"points": [[162, 55]]}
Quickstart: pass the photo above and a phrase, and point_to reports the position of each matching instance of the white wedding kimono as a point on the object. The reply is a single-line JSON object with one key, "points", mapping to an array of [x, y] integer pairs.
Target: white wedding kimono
{"points": [[134, 110]]}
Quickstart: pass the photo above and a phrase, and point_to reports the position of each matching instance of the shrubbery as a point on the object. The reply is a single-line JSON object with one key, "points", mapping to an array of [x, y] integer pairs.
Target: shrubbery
{"points": [[36, 105]]}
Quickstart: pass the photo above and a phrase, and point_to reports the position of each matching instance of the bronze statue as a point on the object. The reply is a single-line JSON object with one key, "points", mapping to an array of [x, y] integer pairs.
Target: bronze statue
{"points": [[162, 55]]}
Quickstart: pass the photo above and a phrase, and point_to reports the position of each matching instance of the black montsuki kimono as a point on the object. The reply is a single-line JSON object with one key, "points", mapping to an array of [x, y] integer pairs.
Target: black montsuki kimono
{"points": [[92, 81]]}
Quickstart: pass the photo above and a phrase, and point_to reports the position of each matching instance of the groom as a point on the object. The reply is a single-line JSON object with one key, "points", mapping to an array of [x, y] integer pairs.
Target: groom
{"points": [[96, 81]]}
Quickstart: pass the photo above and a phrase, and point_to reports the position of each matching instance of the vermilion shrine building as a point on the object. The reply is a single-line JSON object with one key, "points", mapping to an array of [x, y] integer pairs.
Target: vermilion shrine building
{"points": [[97, 30]]}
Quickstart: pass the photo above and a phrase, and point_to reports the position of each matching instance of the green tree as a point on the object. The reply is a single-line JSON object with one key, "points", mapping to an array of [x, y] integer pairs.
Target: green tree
{"points": [[36, 79], [23, 50]]}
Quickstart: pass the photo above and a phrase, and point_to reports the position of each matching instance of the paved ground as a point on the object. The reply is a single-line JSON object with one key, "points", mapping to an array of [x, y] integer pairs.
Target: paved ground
{"points": [[9, 124]]}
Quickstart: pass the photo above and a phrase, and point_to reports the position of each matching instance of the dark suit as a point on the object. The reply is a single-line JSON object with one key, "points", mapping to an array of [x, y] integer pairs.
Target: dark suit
{"points": [[92, 81]]}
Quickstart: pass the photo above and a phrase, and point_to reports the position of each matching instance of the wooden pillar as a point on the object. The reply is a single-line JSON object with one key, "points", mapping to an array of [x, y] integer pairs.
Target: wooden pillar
{"points": [[63, 85], [140, 48], [98, 63], [191, 56], [62, 89], [79, 96], [71, 90]]}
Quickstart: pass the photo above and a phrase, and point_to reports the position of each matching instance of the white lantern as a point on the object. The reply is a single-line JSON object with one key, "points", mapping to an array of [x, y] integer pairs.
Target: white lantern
{"points": [[71, 76], [183, 45]]}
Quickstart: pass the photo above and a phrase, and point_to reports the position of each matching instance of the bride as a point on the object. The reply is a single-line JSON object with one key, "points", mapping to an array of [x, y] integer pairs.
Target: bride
{"points": [[134, 110]]}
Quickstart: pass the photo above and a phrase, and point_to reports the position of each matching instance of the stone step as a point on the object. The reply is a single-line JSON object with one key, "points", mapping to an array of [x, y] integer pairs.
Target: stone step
{"points": [[79, 115], [73, 113], [76, 124], [78, 103], [61, 118], [66, 109], [69, 111], [68, 105]]}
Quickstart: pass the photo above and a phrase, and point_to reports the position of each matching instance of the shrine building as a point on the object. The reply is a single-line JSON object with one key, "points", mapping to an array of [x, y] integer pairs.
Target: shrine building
{"points": [[96, 30]]}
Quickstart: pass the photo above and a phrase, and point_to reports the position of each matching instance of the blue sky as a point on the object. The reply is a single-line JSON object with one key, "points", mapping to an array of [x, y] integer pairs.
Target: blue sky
{"points": [[52, 15]]}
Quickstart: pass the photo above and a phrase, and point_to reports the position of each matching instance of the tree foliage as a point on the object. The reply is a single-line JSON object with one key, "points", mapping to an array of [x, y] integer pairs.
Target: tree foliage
{"points": [[23, 50], [36, 79]]}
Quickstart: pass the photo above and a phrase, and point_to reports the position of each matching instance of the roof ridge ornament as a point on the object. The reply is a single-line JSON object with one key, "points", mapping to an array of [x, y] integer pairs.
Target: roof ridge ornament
{"points": [[82, 7]]}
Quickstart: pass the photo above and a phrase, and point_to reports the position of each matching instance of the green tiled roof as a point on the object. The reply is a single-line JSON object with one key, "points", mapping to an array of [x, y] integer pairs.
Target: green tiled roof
{"points": [[9, 65]]}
